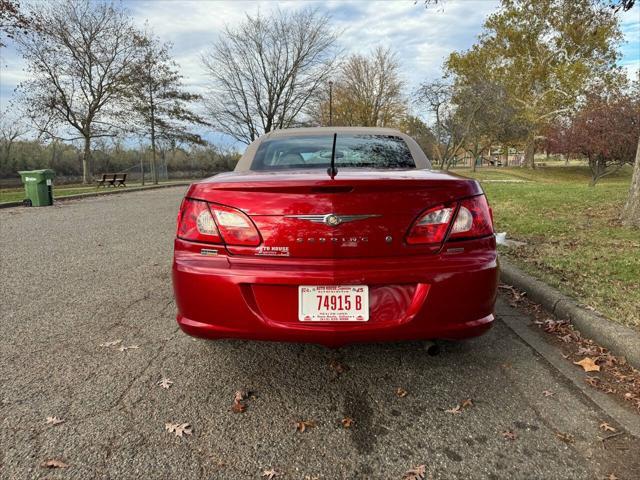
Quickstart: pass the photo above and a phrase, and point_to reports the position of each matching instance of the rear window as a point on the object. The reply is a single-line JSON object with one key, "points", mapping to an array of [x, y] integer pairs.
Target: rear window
{"points": [[352, 151]]}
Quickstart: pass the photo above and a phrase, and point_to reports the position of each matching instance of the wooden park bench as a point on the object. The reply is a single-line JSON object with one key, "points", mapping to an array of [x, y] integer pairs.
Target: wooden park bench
{"points": [[113, 180]]}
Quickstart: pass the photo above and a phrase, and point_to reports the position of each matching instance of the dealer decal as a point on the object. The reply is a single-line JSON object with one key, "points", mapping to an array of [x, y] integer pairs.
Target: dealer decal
{"points": [[273, 251]]}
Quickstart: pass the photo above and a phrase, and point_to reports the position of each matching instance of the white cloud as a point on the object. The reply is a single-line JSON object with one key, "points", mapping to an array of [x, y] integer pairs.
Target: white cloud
{"points": [[422, 37]]}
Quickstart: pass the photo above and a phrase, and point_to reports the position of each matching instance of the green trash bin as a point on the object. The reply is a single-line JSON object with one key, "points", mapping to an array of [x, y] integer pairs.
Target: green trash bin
{"points": [[38, 186]]}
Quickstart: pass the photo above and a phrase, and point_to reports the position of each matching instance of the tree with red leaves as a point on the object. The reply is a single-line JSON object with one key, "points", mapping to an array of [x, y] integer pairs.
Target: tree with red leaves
{"points": [[605, 131]]}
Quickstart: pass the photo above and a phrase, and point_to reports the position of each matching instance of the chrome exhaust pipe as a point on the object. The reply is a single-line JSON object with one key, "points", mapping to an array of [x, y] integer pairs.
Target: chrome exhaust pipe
{"points": [[432, 348]]}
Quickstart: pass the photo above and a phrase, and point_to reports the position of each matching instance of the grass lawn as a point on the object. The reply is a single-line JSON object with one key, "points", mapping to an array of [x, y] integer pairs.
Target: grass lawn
{"points": [[17, 194], [574, 239]]}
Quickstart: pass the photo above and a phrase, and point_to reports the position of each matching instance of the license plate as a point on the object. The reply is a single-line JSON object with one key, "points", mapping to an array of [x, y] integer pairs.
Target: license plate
{"points": [[325, 303]]}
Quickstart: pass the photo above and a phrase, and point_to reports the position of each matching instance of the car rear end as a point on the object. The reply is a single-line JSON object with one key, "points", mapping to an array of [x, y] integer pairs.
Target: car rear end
{"points": [[371, 255]]}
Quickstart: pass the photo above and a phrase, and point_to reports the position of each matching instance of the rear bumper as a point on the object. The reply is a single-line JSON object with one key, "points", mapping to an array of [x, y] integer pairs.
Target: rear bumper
{"points": [[444, 296]]}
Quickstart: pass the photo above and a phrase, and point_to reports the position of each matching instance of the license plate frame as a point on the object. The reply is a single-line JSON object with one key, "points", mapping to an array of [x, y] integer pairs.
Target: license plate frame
{"points": [[312, 309]]}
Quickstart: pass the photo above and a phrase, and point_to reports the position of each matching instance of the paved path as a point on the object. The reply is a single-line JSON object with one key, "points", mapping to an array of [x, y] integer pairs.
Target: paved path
{"points": [[86, 272]]}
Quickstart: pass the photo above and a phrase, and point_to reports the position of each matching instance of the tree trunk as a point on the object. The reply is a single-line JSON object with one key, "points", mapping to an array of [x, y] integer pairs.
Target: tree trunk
{"points": [[86, 161], [631, 211], [529, 153]]}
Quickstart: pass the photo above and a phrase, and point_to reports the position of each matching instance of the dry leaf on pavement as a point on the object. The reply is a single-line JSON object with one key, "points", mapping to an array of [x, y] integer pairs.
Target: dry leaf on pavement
{"points": [[347, 422], [416, 473], [509, 435], [468, 403], [588, 365], [401, 392], [271, 473], [165, 383], [606, 427], [178, 429], [303, 425], [53, 463], [111, 344], [239, 405], [565, 437], [122, 348], [338, 367], [455, 410], [53, 421]]}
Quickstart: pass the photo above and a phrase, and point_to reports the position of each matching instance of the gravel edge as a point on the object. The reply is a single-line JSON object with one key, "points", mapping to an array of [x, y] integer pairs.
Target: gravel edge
{"points": [[617, 338]]}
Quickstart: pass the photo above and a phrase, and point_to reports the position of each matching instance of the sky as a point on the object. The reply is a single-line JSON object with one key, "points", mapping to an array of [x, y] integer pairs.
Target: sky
{"points": [[422, 38]]}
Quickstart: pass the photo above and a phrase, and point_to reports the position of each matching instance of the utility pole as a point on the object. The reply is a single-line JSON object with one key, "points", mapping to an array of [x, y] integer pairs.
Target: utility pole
{"points": [[141, 166], [330, 103]]}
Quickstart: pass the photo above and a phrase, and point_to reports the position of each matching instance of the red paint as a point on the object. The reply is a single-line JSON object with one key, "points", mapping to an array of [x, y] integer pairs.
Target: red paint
{"points": [[442, 290]]}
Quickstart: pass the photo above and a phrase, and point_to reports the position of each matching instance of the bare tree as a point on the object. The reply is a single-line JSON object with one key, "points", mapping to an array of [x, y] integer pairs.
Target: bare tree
{"points": [[80, 61], [264, 71], [13, 20], [11, 130], [450, 134], [367, 92], [159, 100]]}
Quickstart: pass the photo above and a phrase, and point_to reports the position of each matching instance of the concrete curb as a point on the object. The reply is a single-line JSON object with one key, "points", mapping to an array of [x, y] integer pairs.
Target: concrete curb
{"points": [[619, 339], [101, 193]]}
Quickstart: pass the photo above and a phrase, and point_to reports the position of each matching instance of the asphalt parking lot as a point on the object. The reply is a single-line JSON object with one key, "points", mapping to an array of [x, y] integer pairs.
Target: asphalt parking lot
{"points": [[86, 273]]}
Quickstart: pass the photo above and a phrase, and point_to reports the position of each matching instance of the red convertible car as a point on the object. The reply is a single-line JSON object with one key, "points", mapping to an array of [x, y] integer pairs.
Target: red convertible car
{"points": [[333, 236]]}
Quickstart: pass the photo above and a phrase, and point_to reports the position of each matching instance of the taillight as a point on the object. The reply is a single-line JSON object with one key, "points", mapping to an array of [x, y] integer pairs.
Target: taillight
{"points": [[195, 222], [473, 219], [200, 221], [431, 226], [235, 227]]}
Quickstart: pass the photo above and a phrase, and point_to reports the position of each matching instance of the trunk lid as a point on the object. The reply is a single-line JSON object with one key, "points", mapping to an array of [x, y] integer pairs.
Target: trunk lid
{"points": [[373, 209]]}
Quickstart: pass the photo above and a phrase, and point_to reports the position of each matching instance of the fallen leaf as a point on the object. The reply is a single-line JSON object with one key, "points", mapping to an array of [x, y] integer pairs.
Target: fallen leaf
{"points": [[302, 425], [53, 463], [593, 381], [178, 428], [271, 473], [548, 393], [588, 365], [239, 405], [606, 427], [509, 435], [590, 350], [347, 422], [468, 403], [122, 348], [565, 437], [416, 473], [401, 392], [455, 410], [54, 421], [338, 367], [165, 383], [111, 344]]}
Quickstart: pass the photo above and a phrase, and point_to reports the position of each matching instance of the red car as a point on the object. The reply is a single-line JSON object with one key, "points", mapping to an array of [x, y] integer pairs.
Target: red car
{"points": [[333, 236]]}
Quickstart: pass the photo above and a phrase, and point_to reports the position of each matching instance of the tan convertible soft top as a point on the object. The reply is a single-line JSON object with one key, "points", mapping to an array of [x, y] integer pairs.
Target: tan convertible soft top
{"points": [[244, 164]]}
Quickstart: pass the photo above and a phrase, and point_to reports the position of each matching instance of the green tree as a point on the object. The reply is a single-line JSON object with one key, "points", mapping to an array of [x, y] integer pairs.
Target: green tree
{"points": [[159, 100], [545, 54]]}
